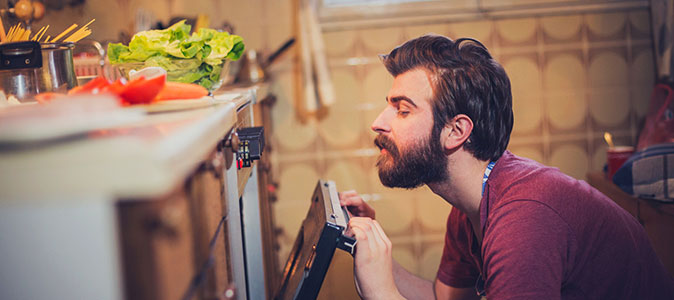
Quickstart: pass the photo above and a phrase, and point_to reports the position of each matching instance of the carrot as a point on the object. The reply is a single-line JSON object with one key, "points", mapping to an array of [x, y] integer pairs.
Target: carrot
{"points": [[46, 97], [178, 90]]}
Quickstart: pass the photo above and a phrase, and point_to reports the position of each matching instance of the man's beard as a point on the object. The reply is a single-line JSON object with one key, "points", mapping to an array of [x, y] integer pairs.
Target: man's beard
{"points": [[422, 163]]}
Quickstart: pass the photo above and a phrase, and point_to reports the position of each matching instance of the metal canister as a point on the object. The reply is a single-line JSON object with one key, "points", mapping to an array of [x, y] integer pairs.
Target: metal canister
{"points": [[29, 68]]}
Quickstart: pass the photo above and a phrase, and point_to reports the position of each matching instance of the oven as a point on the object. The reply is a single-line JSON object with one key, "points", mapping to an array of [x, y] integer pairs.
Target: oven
{"points": [[242, 149]]}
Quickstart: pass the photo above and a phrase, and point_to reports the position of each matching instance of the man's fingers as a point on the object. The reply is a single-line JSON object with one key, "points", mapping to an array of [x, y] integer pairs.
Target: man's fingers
{"points": [[383, 243], [369, 234], [382, 235], [349, 198], [348, 193]]}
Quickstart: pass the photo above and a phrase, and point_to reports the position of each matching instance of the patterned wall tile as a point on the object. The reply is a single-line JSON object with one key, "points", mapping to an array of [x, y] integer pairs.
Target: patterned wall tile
{"points": [[479, 30], [376, 85], [291, 134], [430, 260], [340, 43], [564, 71], [332, 128], [347, 174], [564, 80], [526, 85], [571, 158], [396, 212], [609, 108], [640, 24], [606, 26], [279, 29], [338, 283], [433, 211], [641, 97], [515, 3], [608, 68], [608, 96], [642, 79], [566, 111], [533, 151], [562, 29], [642, 69], [521, 31], [410, 32], [380, 40], [299, 181], [405, 256], [598, 156]]}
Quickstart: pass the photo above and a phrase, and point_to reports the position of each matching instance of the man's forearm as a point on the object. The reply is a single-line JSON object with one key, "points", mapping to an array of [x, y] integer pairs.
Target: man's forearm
{"points": [[410, 285]]}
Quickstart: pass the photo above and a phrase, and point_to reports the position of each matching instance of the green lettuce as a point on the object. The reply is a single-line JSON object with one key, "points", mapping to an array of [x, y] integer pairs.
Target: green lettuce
{"points": [[196, 58]]}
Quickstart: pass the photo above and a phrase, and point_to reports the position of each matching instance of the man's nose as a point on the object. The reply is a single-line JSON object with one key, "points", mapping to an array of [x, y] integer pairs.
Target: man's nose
{"points": [[381, 123]]}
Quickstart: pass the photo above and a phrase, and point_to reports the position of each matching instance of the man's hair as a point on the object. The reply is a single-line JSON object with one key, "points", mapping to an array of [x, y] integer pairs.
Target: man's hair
{"points": [[465, 80]]}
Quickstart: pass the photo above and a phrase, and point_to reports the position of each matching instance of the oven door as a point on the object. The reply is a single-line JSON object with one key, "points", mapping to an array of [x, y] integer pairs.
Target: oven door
{"points": [[322, 232]]}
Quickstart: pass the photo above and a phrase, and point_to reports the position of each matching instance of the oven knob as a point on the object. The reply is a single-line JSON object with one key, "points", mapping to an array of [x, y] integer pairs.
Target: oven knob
{"points": [[233, 141], [230, 147]]}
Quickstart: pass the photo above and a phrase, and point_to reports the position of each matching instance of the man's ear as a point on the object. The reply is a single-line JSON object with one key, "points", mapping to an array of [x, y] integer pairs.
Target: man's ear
{"points": [[456, 132]]}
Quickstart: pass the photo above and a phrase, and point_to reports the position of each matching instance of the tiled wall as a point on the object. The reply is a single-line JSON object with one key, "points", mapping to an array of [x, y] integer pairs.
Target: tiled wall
{"points": [[573, 76]]}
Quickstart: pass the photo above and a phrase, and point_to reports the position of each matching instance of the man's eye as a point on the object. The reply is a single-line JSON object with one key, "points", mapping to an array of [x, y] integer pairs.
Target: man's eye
{"points": [[403, 113]]}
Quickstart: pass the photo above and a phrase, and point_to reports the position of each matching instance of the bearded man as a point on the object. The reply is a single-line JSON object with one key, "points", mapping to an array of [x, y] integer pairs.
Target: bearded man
{"points": [[518, 229]]}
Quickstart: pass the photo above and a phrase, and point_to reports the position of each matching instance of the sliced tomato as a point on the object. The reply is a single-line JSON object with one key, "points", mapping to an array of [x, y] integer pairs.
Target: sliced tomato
{"points": [[116, 87], [94, 86], [141, 90]]}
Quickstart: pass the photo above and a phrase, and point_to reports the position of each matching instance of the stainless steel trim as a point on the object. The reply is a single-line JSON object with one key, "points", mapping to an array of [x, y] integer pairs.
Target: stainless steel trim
{"points": [[236, 246], [250, 207]]}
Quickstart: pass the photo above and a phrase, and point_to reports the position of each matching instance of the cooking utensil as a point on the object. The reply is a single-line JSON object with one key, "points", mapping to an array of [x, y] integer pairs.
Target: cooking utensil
{"points": [[253, 68], [29, 68], [608, 137]]}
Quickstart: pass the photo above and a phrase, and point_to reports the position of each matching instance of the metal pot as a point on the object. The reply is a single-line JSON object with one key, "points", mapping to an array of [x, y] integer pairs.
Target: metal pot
{"points": [[29, 68]]}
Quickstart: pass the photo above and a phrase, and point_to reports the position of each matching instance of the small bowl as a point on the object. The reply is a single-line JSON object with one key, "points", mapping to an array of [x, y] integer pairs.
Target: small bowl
{"points": [[125, 68]]}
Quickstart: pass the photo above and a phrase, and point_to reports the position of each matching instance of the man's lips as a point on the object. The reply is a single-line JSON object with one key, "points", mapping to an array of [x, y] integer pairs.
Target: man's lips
{"points": [[386, 146]]}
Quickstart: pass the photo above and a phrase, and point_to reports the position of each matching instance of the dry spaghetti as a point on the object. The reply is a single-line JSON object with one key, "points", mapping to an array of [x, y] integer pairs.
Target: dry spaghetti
{"points": [[17, 33]]}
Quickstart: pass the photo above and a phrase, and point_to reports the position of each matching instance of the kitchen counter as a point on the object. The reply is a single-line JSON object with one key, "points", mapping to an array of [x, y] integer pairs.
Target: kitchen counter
{"points": [[129, 212], [140, 160]]}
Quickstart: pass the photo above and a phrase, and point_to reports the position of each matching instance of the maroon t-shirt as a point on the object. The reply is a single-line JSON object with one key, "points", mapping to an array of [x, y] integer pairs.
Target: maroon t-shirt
{"points": [[550, 236]]}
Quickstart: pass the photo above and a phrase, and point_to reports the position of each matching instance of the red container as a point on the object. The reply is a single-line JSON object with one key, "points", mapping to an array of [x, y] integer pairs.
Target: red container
{"points": [[616, 157]]}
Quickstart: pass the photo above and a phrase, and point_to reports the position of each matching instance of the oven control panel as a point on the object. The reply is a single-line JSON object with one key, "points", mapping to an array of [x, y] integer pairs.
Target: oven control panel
{"points": [[251, 145]]}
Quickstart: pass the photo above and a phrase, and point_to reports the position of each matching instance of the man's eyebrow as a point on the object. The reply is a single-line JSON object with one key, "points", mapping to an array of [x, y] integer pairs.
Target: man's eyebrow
{"points": [[401, 98]]}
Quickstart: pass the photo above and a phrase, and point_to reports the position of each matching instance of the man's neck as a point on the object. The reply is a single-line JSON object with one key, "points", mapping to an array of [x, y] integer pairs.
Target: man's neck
{"points": [[463, 188]]}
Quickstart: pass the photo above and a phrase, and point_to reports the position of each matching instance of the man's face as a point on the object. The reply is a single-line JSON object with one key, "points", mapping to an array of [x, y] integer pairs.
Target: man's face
{"points": [[411, 151]]}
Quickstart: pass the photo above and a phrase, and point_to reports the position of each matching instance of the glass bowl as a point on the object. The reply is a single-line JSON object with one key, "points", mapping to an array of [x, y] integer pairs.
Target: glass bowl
{"points": [[184, 70]]}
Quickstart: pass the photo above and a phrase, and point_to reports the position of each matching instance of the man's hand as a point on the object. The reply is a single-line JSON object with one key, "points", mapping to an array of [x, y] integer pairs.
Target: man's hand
{"points": [[373, 264], [355, 204]]}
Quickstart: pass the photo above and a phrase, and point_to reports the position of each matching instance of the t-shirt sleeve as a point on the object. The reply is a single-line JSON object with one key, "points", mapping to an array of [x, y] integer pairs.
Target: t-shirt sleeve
{"points": [[457, 267], [525, 250]]}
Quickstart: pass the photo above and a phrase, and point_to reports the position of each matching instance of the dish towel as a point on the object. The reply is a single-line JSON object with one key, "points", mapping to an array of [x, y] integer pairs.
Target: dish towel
{"points": [[317, 89], [649, 173]]}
